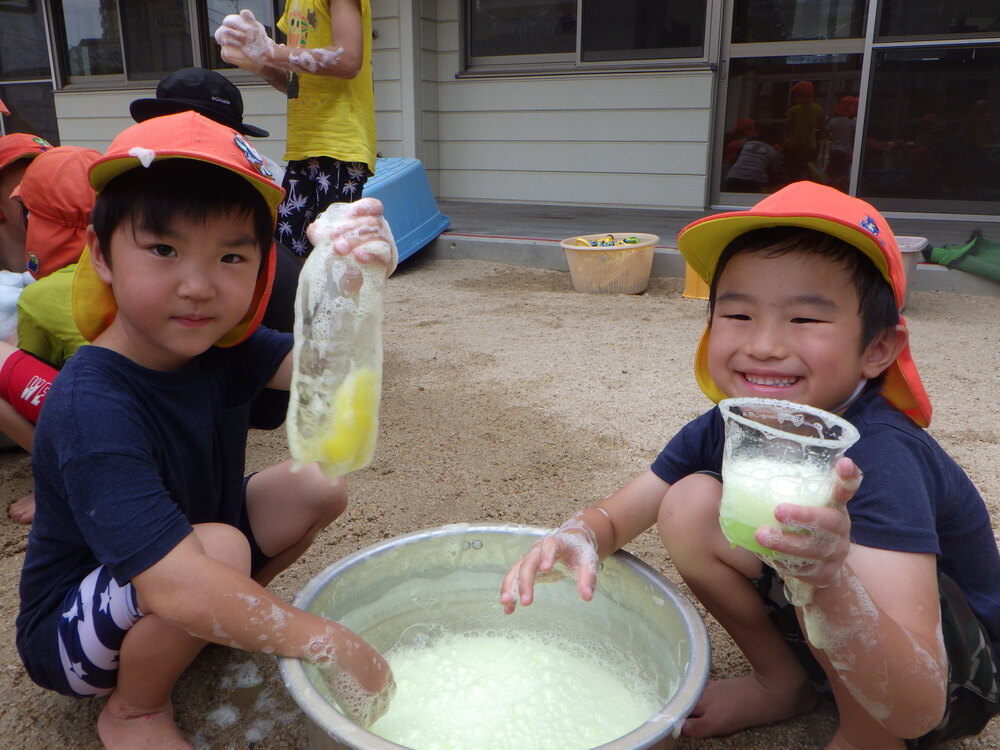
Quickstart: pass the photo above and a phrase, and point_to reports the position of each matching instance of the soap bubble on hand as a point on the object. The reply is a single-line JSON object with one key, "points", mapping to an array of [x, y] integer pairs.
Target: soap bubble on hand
{"points": [[244, 41]]}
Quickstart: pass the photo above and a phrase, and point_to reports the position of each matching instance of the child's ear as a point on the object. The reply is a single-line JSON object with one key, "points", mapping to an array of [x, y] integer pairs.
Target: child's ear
{"points": [[97, 260], [883, 350]]}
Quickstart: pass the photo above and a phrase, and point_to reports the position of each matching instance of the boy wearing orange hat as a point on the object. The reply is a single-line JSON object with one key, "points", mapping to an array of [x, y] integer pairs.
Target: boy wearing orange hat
{"points": [[905, 613], [148, 542]]}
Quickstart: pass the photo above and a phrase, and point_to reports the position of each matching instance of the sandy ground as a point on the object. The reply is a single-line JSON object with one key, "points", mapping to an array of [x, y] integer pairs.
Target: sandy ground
{"points": [[511, 398]]}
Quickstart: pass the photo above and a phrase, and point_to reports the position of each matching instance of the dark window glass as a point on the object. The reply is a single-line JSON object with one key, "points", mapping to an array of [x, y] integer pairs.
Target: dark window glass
{"points": [[521, 27], [795, 118], [932, 128], [638, 29], [32, 110], [23, 53], [911, 18], [790, 20], [157, 38]]}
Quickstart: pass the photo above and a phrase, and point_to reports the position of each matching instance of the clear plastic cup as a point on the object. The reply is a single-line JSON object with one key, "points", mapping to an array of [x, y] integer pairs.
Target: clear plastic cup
{"points": [[776, 452]]}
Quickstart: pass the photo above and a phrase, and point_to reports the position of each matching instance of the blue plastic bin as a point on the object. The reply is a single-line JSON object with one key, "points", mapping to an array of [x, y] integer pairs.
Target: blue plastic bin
{"points": [[402, 186]]}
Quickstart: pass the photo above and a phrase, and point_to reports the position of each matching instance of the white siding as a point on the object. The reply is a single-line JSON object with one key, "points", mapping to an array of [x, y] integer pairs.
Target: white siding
{"points": [[93, 119], [637, 140]]}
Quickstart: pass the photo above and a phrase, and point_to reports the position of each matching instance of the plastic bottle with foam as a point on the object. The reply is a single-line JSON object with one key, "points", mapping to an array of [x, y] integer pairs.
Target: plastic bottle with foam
{"points": [[337, 356]]}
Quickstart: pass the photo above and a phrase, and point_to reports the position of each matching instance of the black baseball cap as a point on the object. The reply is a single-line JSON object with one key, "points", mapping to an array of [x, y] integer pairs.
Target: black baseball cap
{"points": [[200, 90]]}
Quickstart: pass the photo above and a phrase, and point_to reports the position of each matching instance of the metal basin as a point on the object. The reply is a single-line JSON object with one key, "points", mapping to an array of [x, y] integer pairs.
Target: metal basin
{"points": [[450, 576]]}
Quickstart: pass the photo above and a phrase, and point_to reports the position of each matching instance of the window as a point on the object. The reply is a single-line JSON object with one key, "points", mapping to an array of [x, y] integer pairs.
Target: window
{"points": [[787, 21], [530, 33], [642, 31], [143, 41], [932, 18], [25, 78], [933, 129], [798, 107]]}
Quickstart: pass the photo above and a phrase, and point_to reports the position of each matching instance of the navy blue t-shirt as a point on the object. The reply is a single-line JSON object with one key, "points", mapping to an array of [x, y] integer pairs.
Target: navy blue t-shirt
{"points": [[913, 498], [125, 460]]}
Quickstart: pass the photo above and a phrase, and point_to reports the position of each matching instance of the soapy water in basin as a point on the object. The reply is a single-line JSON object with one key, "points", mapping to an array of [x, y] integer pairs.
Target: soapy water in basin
{"points": [[509, 690], [562, 674]]}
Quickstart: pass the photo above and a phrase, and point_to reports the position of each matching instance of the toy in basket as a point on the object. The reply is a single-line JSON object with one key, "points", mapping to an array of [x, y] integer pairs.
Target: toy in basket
{"points": [[614, 263]]}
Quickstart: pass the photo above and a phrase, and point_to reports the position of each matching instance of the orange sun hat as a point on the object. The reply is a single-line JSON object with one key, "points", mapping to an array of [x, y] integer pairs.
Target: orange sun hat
{"points": [[186, 135], [20, 145], [824, 209], [55, 191]]}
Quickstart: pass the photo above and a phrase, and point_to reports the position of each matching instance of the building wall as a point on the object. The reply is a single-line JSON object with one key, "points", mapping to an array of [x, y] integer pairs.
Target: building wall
{"points": [[638, 140], [594, 139]]}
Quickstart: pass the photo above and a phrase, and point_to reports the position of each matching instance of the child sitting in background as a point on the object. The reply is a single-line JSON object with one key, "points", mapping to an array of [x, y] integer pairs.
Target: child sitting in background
{"points": [[148, 541], [805, 290]]}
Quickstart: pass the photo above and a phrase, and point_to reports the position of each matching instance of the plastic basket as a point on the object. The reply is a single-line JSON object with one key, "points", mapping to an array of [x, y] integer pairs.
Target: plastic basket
{"points": [[616, 269]]}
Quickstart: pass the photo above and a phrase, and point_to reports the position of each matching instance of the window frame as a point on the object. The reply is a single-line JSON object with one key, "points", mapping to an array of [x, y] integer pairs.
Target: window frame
{"points": [[573, 63], [198, 37]]}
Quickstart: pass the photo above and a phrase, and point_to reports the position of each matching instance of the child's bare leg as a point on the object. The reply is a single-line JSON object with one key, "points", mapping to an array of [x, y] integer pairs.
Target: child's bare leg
{"points": [[720, 576], [139, 713], [288, 509]]}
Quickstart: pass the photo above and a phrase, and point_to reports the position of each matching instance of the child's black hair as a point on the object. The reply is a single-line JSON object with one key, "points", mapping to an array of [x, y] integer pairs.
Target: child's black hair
{"points": [[876, 301], [155, 196]]}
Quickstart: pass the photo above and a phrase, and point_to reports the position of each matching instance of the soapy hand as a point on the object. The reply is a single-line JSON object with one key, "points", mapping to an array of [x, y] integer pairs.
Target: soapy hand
{"points": [[244, 41], [358, 676], [814, 546], [357, 229], [573, 545]]}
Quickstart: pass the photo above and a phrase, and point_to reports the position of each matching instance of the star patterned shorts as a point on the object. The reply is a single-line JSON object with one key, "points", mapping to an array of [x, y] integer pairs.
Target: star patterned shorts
{"points": [[96, 616], [311, 185]]}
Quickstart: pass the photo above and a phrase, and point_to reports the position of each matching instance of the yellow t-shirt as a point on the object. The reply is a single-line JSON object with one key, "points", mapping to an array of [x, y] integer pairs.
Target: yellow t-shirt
{"points": [[45, 325], [328, 116]]}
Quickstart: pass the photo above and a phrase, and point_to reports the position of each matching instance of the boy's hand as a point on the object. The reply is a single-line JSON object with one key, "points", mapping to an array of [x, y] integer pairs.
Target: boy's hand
{"points": [[357, 229], [815, 545], [358, 677], [244, 41], [573, 544]]}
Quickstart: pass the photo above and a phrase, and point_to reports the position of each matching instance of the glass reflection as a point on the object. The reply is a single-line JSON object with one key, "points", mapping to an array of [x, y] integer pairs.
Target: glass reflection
{"points": [[792, 20], [789, 119], [639, 29], [32, 110], [933, 125], [157, 38], [28, 58], [521, 27], [92, 41], [910, 18]]}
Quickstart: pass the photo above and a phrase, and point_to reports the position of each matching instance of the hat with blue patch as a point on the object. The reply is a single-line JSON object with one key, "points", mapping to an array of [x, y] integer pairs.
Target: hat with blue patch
{"points": [[824, 209], [186, 135]]}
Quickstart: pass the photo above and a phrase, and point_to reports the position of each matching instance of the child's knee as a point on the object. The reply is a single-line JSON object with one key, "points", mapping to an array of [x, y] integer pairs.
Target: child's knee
{"points": [[689, 510], [226, 544], [325, 499]]}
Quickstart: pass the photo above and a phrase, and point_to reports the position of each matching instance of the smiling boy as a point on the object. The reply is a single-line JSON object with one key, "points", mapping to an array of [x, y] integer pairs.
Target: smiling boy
{"points": [[148, 541], [905, 610]]}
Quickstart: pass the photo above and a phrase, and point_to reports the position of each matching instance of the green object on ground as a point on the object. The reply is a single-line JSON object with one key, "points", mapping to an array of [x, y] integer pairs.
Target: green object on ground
{"points": [[978, 256]]}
